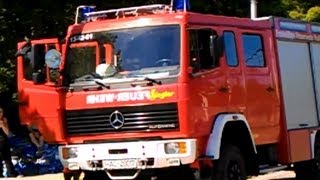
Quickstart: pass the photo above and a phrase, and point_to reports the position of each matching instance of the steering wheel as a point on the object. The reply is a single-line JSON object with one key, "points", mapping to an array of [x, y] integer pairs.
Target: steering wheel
{"points": [[163, 62]]}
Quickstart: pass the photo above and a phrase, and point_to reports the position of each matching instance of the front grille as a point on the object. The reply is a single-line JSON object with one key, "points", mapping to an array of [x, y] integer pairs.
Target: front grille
{"points": [[136, 119]]}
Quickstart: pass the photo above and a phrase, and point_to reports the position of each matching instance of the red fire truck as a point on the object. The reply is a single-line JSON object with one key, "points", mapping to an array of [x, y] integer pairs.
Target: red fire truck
{"points": [[144, 90]]}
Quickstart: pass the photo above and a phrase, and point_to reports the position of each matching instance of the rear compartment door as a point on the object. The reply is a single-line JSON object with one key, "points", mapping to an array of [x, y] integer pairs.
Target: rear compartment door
{"points": [[297, 82], [315, 57]]}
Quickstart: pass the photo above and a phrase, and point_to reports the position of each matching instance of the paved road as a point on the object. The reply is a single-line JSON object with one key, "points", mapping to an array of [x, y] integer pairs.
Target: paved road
{"points": [[283, 175], [280, 175]]}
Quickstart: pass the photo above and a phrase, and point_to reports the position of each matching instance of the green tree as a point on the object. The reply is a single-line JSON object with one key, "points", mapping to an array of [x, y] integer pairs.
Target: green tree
{"points": [[313, 14], [300, 9]]}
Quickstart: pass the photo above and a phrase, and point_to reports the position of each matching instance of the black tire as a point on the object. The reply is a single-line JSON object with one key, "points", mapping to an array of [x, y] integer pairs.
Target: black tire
{"points": [[182, 172], [95, 175], [309, 169], [230, 166], [306, 170]]}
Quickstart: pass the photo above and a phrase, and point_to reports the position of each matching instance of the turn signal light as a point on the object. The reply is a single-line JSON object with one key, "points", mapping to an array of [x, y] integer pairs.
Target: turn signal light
{"points": [[175, 148]]}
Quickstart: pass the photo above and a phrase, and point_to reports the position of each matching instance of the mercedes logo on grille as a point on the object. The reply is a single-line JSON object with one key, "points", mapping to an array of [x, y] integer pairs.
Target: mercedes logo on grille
{"points": [[116, 120]]}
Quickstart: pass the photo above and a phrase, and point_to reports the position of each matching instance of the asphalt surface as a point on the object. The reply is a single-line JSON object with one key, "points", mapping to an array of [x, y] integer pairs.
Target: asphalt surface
{"points": [[279, 175]]}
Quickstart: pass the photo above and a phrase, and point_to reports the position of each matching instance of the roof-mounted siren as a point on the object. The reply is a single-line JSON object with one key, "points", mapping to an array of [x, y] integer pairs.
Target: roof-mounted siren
{"points": [[180, 5], [81, 13]]}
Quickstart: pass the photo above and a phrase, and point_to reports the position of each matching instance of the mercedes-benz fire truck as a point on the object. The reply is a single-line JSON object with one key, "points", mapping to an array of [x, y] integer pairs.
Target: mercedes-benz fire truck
{"points": [[140, 91]]}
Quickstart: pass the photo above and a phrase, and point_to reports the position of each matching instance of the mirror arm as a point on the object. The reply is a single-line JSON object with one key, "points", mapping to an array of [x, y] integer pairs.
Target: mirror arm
{"points": [[23, 50]]}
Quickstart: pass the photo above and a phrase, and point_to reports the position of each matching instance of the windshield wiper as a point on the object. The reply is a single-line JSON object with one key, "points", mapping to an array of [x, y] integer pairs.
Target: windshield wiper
{"points": [[153, 70], [152, 80], [102, 84], [157, 69], [149, 82], [95, 87]]}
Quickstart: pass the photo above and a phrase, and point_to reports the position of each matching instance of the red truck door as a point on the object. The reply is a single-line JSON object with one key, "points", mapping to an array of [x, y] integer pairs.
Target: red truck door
{"points": [[208, 87], [235, 76], [262, 102], [39, 95]]}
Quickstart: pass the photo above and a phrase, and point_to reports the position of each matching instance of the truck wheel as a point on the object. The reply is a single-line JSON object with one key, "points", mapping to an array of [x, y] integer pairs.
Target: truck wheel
{"points": [[309, 169], [180, 172], [95, 175], [230, 166], [304, 170]]}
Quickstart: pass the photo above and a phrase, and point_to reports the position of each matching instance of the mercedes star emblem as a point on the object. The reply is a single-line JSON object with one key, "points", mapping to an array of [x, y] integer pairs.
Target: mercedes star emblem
{"points": [[116, 120]]}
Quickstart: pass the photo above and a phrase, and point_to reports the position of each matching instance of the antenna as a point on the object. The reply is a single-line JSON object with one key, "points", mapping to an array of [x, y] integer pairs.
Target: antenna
{"points": [[253, 9]]}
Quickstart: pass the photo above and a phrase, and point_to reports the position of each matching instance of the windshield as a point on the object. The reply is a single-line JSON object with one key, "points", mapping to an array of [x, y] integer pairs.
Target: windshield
{"points": [[83, 61], [136, 51]]}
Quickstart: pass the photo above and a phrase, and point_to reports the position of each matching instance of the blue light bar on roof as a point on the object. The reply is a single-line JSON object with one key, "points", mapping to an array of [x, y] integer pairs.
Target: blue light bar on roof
{"points": [[81, 13], [181, 5]]}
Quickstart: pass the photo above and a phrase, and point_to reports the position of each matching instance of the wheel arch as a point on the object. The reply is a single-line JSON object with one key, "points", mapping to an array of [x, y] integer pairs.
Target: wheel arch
{"points": [[226, 122], [232, 129]]}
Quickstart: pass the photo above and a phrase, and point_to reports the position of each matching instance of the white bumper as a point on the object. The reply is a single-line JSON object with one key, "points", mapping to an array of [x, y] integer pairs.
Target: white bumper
{"points": [[146, 154]]}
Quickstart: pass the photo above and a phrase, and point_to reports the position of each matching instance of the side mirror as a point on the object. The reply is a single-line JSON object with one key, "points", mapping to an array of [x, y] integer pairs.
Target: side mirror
{"points": [[53, 59]]}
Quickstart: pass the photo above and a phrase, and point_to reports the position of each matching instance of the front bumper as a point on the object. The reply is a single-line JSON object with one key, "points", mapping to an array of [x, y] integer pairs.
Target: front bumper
{"points": [[127, 155]]}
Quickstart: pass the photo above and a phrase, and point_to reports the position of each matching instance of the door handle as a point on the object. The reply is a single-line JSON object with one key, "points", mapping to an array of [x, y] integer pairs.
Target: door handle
{"points": [[224, 89], [270, 89]]}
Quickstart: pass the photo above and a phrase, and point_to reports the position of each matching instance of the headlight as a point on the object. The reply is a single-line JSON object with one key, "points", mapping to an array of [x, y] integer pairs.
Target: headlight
{"points": [[175, 148], [68, 153]]}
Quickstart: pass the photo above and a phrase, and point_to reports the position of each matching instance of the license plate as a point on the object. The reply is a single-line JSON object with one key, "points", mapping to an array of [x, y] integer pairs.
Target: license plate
{"points": [[120, 164]]}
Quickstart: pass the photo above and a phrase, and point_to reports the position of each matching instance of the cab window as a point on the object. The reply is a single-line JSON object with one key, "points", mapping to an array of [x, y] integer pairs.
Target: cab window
{"points": [[201, 47], [37, 64], [253, 50], [230, 48], [34, 65]]}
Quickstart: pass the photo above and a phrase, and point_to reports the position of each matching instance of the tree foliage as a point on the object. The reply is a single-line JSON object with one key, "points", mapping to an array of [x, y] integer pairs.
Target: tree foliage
{"points": [[301, 9], [39, 19], [313, 14]]}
